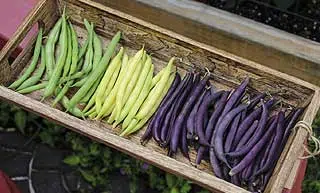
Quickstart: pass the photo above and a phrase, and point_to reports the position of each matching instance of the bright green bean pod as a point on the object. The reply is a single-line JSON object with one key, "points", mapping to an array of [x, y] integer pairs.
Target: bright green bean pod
{"points": [[122, 88], [114, 64], [37, 75], [96, 72], [87, 66], [75, 111], [80, 82], [92, 115], [87, 97], [61, 93], [142, 96], [154, 97], [130, 86], [97, 48], [33, 88], [33, 64], [54, 79], [83, 50], [67, 64], [75, 50], [50, 47], [90, 103], [135, 127], [147, 71]]}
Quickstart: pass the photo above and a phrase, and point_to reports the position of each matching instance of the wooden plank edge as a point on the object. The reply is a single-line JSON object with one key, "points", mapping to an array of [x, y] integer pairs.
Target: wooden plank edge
{"points": [[241, 27], [124, 145], [295, 149], [201, 45]]}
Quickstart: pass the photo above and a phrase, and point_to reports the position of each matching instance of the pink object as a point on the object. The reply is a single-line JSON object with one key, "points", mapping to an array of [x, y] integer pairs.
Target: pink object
{"points": [[12, 13]]}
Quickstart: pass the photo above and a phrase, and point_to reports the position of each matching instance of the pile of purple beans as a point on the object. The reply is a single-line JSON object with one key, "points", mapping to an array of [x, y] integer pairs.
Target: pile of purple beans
{"points": [[241, 136]]}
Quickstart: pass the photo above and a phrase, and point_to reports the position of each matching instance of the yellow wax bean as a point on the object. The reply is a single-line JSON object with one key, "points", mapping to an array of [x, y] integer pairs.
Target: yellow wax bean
{"points": [[135, 127], [156, 92]]}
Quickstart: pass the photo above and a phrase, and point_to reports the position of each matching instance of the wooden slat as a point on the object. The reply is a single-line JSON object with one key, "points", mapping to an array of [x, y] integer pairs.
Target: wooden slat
{"points": [[227, 72], [243, 37], [104, 135]]}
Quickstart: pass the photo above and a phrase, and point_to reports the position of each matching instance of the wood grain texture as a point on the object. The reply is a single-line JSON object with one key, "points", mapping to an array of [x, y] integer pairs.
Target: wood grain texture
{"points": [[235, 34], [227, 71]]}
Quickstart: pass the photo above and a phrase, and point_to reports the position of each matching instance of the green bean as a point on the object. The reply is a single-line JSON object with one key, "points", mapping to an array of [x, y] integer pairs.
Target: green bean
{"points": [[97, 47], [75, 50], [75, 111], [142, 96], [114, 65], [33, 88], [154, 97], [54, 79], [130, 86], [67, 64], [87, 66], [80, 82], [93, 115], [50, 45], [37, 75], [122, 88], [147, 71], [61, 93], [135, 127], [87, 97], [83, 49], [96, 72], [33, 64]]}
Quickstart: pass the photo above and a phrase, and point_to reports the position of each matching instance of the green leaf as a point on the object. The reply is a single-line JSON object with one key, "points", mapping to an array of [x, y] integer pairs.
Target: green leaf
{"points": [[284, 4], [185, 188], [87, 175], [72, 160], [174, 190], [171, 180], [20, 118]]}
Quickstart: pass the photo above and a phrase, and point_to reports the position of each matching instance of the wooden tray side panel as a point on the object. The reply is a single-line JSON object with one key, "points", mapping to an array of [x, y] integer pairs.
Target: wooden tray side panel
{"points": [[163, 46], [43, 14]]}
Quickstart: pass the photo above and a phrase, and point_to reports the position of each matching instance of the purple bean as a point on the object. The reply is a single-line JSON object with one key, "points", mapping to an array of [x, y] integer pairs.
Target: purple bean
{"points": [[248, 174], [164, 108], [165, 131], [274, 150], [176, 130], [234, 98], [220, 131], [255, 101], [248, 158], [148, 133], [215, 162], [259, 132], [200, 121], [184, 145], [290, 125], [232, 132], [235, 180], [248, 134], [266, 153], [249, 120], [192, 116]]}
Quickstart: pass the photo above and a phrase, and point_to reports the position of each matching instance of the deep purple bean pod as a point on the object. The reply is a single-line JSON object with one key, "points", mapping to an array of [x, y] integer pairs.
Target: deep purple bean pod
{"points": [[246, 137], [255, 101], [248, 158], [220, 131], [232, 132]]}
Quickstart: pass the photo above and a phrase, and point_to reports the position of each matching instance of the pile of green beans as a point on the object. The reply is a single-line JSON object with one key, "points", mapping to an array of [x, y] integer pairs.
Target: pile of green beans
{"points": [[120, 89]]}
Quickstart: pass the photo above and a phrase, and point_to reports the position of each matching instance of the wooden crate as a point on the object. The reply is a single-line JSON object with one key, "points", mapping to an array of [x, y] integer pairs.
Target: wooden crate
{"points": [[227, 71], [235, 34]]}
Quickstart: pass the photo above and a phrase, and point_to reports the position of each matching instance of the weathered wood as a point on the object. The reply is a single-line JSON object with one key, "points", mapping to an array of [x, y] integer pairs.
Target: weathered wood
{"points": [[238, 35], [227, 71]]}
